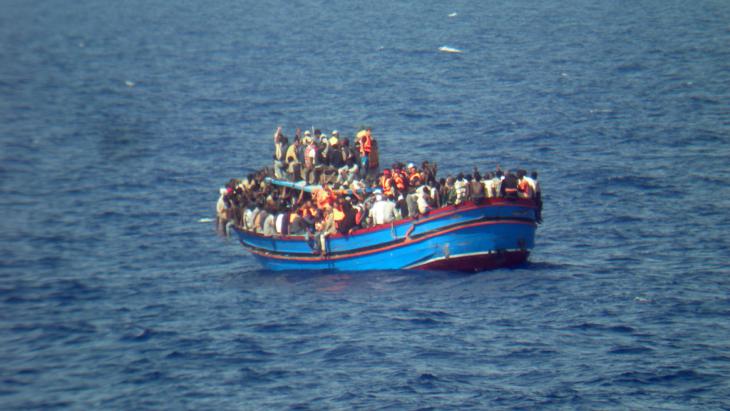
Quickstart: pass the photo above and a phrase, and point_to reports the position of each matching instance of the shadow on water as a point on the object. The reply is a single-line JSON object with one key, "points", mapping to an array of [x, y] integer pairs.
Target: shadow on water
{"points": [[332, 281]]}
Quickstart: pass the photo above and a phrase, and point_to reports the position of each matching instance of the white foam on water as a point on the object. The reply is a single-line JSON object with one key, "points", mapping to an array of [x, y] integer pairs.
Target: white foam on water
{"points": [[447, 49]]}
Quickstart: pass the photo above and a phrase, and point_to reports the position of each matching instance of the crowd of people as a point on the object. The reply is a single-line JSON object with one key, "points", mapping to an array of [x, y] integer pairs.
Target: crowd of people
{"points": [[353, 194]]}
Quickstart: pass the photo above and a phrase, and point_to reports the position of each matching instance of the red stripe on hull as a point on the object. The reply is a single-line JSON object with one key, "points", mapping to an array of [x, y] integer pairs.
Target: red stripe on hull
{"points": [[480, 262]]}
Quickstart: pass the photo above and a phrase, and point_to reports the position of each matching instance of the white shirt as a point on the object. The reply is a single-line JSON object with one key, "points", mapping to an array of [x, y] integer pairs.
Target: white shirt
{"points": [[382, 212], [496, 186]]}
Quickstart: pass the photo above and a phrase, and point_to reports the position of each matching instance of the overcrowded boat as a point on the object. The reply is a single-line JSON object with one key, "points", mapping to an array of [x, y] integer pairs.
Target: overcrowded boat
{"points": [[326, 206]]}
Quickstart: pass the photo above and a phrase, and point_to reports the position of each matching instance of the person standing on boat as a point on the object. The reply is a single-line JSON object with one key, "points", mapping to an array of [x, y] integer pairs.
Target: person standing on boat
{"points": [[280, 148], [365, 141], [508, 188], [293, 160], [310, 159], [415, 180]]}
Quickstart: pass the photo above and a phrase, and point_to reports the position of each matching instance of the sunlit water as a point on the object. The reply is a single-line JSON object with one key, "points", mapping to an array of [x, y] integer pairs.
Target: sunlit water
{"points": [[120, 120]]}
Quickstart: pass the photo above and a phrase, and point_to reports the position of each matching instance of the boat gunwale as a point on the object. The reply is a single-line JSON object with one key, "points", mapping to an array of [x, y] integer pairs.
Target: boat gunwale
{"points": [[433, 215], [386, 246]]}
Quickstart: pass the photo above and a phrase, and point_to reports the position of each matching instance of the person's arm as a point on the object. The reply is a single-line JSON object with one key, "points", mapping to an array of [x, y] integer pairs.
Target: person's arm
{"points": [[277, 134]]}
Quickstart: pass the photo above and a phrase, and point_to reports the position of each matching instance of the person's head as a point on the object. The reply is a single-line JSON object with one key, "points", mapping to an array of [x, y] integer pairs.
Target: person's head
{"points": [[499, 174], [386, 172], [460, 176], [534, 174]]}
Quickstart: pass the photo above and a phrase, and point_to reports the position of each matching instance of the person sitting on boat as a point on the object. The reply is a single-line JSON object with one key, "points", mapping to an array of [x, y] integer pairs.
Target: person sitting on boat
{"points": [[476, 188], [524, 188], [248, 215], [497, 179], [448, 191], [462, 189], [282, 220], [426, 203], [508, 187], [339, 216], [324, 227], [531, 182], [258, 222], [382, 211], [488, 184], [308, 213], [297, 226]]}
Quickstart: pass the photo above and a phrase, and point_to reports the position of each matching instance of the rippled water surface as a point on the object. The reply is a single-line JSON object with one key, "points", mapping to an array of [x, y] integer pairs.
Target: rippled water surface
{"points": [[120, 120]]}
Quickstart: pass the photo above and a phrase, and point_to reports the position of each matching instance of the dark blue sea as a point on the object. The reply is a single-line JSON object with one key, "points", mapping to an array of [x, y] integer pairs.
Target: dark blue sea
{"points": [[119, 121]]}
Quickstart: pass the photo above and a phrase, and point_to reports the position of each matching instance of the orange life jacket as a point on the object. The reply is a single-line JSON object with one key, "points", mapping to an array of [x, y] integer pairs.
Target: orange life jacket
{"points": [[415, 179], [387, 184], [366, 144], [400, 181], [524, 189], [324, 198]]}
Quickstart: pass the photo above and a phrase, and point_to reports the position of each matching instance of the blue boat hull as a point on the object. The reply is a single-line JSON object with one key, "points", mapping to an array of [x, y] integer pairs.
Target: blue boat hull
{"points": [[468, 238]]}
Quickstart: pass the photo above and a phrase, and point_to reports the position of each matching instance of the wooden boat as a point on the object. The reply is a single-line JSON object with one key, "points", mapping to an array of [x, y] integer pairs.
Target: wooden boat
{"points": [[497, 232]]}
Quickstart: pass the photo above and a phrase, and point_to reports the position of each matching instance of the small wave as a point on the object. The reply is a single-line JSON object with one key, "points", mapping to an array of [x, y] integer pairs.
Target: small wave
{"points": [[418, 321], [621, 329], [664, 378], [621, 350]]}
